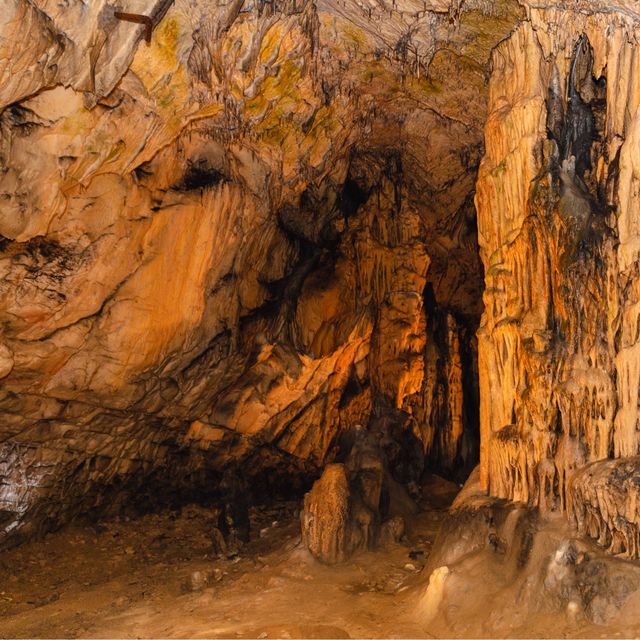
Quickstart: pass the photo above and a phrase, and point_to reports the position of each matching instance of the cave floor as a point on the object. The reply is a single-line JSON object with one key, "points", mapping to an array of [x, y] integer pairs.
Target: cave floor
{"points": [[135, 579]]}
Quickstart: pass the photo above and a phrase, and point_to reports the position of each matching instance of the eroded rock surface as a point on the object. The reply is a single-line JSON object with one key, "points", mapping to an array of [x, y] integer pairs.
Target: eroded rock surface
{"points": [[603, 499], [327, 518], [540, 578], [216, 247], [557, 221]]}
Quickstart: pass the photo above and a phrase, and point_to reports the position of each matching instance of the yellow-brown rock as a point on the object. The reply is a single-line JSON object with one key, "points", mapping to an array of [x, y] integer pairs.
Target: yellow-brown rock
{"points": [[557, 231], [327, 518], [244, 239], [217, 246]]}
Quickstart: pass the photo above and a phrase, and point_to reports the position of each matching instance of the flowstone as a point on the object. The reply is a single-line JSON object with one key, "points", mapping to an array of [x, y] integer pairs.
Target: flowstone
{"points": [[603, 504]]}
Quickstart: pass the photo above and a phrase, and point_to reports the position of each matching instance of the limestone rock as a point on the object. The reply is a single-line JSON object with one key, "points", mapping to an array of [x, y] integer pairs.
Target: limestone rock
{"points": [[433, 596], [392, 530], [544, 577], [557, 233], [603, 504], [356, 505], [327, 518], [215, 247]]}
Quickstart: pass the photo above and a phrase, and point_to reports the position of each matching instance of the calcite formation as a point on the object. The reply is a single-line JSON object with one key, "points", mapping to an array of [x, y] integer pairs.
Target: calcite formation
{"points": [[241, 240], [328, 523], [540, 577], [558, 231], [356, 504], [234, 243], [603, 504]]}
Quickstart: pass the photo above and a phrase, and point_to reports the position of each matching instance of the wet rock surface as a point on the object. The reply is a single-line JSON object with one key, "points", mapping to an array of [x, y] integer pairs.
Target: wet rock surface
{"points": [[540, 578]]}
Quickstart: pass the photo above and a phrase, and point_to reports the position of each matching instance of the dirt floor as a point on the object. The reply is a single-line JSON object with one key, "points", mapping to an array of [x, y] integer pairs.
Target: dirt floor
{"points": [[157, 576]]}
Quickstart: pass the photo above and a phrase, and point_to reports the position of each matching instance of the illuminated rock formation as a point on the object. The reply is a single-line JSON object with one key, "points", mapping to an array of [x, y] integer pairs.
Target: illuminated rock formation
{"points": [[240, 241], [558, 235], [335, 521], [216, 246]]}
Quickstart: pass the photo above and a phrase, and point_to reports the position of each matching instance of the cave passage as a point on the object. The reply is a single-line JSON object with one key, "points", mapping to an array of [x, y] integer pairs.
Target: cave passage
{"points": [[319, 319], [295, 543]]}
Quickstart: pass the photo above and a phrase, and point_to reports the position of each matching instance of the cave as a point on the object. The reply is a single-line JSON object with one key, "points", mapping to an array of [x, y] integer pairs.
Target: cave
{"points": [[319, 319]]}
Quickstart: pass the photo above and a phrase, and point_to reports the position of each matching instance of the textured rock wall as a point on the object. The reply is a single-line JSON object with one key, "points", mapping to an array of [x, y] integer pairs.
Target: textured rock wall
{"points": [[216, 247], [138, 233], [558, 231]]}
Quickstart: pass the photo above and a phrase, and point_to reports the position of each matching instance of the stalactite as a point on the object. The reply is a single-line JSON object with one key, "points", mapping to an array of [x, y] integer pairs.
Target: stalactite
{"points": [[559, 333]]}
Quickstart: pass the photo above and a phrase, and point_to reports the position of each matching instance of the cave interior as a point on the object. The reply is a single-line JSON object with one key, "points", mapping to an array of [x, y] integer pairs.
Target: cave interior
{"points": [[319, 318]]}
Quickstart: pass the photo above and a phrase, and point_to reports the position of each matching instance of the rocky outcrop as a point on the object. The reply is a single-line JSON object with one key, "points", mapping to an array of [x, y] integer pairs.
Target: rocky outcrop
{"points": [[557, 230], [356, 505], [216, 246]]}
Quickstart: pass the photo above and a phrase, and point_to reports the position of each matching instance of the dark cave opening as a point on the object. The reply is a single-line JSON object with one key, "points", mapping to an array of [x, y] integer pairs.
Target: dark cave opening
{"points": [[436, 430], [200, 175], [323, 228], [456, 463]]}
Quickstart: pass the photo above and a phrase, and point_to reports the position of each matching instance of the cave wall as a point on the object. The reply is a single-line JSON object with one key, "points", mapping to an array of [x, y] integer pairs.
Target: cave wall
{"points": [[558, 230], [240, 241], [216, 247], [236, 243]]}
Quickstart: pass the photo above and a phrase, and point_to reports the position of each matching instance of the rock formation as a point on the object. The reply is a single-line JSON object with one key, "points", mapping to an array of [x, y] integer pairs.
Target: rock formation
{"points": [[329, 526], [232, 244], [358, 504], [603, 504], [541, 578], [557, 231], [216, 246]]}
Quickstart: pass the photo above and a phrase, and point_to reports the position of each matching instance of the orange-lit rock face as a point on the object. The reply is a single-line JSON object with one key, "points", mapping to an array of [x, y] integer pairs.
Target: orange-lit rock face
{"points": [[243, 240], [218, 246], [558, 236]]}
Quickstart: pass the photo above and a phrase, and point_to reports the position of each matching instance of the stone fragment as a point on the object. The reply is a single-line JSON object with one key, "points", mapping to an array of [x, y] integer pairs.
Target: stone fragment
{"points": [[392, 531], [197, 581]]}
